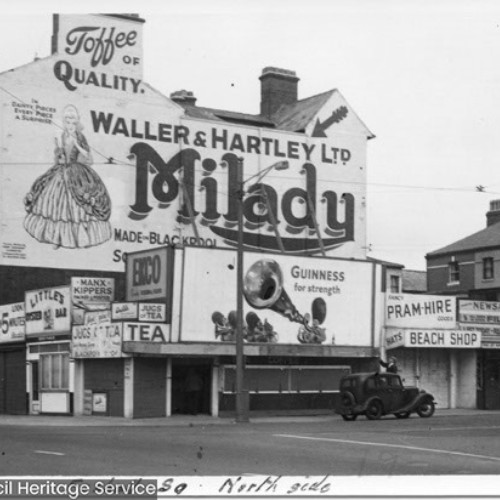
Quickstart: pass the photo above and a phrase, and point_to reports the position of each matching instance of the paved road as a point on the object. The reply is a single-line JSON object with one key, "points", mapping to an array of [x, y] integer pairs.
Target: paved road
{"points": [[324, 445]]}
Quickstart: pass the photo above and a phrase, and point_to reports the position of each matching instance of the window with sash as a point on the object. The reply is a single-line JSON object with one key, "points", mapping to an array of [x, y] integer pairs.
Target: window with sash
{"points": [[54, 372]]}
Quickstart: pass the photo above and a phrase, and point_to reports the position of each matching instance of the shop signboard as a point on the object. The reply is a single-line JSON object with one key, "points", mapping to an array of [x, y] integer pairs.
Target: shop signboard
{"points": [[420, 311], [482, 316], [394, 337], [97, 338], [152, 312], [479, 312], [122, 311], [90, 294], [428, 338], [490, 343], [146, 332], [92, 290], [12, 321], [48, 311], [123, 183], [288, 299]]}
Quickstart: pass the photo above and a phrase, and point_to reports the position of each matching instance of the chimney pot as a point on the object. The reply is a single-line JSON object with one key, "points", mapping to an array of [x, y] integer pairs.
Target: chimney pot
{"points": [[183, 97]]}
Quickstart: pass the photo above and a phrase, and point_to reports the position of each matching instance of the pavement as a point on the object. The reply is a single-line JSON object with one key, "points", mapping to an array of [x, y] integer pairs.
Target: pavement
{"points": [[256, 417]]}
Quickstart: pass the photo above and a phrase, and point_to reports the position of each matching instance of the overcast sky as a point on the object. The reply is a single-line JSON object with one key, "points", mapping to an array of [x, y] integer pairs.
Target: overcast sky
{"points": [[424, 76]]}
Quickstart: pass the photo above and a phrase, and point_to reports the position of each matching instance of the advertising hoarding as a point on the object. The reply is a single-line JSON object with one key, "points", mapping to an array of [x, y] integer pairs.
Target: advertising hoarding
{"points": [[98, 338], [316, 300], [152, 312], [149, 275], [12, 321], [146, 332], [91, 290], [121, 311], [121, 146], [48, 311], [420, 311]]}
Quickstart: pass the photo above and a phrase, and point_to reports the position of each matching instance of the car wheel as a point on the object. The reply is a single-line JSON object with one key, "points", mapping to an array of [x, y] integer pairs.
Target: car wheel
{"points": [[350, 417], [374, 410], [403, 414], [426, 409]]}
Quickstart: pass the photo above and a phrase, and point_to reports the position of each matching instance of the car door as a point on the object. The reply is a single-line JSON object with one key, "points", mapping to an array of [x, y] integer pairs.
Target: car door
{"points": [[385, 391], [398, 396]]}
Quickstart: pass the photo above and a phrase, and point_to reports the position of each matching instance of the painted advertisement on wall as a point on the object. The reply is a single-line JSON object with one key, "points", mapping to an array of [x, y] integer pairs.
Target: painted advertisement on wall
{"points": [[12, 322], [102, 50], [48, 311], [287, 299], [420, 311], [97, 163]]}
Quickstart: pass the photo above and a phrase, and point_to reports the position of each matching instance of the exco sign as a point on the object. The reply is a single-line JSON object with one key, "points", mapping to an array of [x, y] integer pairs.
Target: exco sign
{"points": [[149, 275]]}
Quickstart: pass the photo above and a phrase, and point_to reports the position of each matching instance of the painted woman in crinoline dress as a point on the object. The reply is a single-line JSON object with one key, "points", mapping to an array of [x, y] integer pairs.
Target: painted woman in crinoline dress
{"points": [[69, 206]]}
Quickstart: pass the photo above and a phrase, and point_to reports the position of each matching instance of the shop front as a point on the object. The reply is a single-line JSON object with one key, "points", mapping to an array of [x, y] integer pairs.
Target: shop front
{"points": [[433, 353], [442, 362], [12, 360], [484, 317], [48, 335]]}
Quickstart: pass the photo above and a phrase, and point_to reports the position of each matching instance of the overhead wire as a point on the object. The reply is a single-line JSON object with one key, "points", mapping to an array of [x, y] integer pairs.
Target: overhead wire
{"points": [[112, 160]]}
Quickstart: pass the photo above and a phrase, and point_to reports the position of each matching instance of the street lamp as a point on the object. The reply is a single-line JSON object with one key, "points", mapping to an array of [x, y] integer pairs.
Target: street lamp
{"points": [[241, 394]]}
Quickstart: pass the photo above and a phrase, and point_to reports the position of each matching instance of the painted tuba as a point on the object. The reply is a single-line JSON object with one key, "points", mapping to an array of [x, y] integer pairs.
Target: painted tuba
{"points": [[263, 289]]}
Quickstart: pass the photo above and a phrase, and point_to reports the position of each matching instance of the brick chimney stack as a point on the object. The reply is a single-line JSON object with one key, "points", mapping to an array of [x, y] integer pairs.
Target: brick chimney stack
{"points": [[493, 216], [278, 87]]}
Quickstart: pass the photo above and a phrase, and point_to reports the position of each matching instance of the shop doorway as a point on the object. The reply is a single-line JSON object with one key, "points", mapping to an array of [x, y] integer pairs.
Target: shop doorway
{"points": [[182, 371], [491, 383], [13, 382]]}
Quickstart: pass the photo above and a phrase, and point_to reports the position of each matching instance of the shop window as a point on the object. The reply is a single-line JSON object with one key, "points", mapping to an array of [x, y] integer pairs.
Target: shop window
{"points": [[488, 268], [395, 284], [54, 370], [292, 378], [454, 272]]}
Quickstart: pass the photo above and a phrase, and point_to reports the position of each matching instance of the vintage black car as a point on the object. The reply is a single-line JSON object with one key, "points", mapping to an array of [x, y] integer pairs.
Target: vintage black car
{"points": [[377, 394]]}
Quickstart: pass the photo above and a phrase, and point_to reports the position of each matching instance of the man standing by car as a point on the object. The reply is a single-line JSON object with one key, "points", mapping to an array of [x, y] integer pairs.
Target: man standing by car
{"points": [[391, 365]]}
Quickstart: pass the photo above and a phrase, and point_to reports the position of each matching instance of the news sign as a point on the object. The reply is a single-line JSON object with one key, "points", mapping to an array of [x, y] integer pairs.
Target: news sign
{"points": [[479, 312], [149, 275], [420, 311]]}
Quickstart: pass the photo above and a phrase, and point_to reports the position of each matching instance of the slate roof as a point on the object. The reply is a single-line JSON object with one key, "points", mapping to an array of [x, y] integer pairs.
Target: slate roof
{"points": [[386, 263], [486, 238], [414, 281], [227, 116], [293, 117]]}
